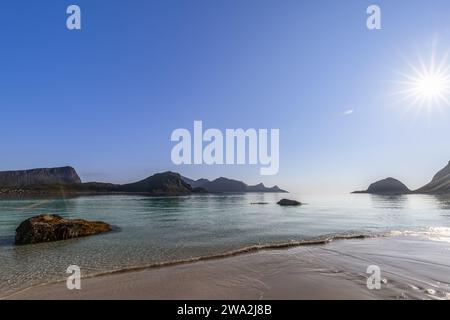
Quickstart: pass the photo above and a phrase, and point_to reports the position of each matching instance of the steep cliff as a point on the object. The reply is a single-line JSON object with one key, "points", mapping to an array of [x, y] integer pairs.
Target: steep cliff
{"points": [[440, 183], [35, 177]]}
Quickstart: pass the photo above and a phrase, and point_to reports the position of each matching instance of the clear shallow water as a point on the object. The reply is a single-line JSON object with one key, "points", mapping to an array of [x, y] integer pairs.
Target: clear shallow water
{"points": [[157, 230]]}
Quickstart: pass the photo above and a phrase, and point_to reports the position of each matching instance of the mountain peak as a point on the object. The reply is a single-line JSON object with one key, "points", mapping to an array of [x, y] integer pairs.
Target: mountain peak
{"points": [[166, 182], [226, 185], [387, 186]]}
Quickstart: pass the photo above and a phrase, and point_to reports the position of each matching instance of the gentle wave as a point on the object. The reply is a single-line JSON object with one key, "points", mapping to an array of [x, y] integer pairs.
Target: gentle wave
{"points": [[441, 234], [245, 250], [322, 240], [431, 233]]}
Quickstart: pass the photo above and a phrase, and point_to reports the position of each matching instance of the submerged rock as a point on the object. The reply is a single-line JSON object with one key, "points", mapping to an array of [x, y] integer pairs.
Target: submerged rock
{"points": [[287, 202], [47, 228]]}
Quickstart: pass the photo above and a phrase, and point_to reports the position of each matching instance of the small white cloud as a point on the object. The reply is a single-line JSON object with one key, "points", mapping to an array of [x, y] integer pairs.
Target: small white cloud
{"points": [[349, 112]]}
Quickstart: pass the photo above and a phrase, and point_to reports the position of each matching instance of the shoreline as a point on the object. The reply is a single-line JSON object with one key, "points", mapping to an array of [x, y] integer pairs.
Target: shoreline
{"points": [[325, 270], [323, 240]]}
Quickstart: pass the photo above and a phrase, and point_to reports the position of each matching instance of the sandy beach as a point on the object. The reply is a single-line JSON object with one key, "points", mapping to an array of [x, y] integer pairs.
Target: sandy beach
{"points": [[412, 267]]}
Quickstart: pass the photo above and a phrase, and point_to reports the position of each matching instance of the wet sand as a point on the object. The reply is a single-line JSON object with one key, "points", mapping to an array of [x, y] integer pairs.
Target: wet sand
{"points": [[412, 267]]}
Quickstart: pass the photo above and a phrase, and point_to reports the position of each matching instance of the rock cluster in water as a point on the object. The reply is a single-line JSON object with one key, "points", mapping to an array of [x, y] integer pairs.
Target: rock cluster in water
{"points": [[287, 202]]}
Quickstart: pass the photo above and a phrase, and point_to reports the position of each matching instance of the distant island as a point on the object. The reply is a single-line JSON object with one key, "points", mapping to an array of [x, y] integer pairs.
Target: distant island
{"points": [[440, 184], [66, 180], [386, 186]]}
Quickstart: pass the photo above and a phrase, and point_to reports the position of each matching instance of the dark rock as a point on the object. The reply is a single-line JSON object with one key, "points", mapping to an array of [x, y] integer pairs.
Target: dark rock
{"points": [[287, 202], [47, 228]]}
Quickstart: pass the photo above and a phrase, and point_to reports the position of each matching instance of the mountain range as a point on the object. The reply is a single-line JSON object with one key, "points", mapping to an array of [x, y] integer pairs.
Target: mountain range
{"points": [[225, 185], [66, 179]]}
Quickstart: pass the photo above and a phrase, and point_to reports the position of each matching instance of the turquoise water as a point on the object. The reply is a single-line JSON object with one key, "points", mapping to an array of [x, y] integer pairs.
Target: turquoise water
{"points": [[157, 230]]}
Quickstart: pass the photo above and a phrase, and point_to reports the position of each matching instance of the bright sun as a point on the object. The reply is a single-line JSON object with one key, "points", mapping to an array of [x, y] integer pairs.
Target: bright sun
{"points": [[431, 86], [428, 85]]}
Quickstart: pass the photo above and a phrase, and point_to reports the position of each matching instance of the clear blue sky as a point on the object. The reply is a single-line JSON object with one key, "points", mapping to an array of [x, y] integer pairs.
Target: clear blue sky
{"points": [[106, 99]]}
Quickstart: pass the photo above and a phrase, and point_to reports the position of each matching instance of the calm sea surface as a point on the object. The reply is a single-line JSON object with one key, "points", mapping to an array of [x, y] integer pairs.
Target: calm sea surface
{"points": [[155, 230]]}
